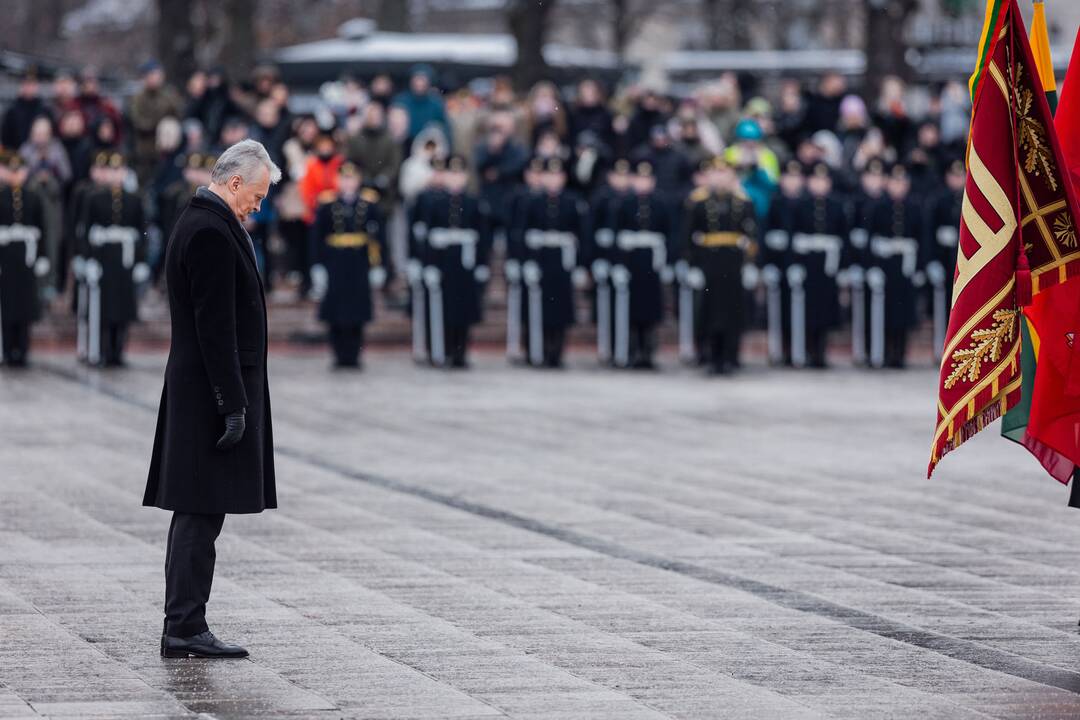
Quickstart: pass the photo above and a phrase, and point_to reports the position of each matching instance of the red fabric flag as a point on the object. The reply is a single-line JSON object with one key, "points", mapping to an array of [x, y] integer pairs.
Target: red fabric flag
{"points": [[1054, 316], [1017, 233]]}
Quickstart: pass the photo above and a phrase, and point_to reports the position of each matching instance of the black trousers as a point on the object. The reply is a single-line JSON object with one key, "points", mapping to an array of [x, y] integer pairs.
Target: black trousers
{"points": [[346, 341], [724, 349], [642, 345], [189, 571], [816, 343], [16, 343], [896, 348], [113, 340], [554, 342], [457, 345]]}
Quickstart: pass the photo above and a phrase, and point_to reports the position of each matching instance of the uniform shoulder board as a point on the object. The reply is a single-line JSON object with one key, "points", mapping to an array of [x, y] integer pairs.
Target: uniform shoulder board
{"points": [[370, 195], [327, 196], [699, 194]]}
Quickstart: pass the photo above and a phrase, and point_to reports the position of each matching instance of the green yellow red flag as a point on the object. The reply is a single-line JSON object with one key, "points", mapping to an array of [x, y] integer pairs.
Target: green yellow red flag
{"points": [[1017, 232]]}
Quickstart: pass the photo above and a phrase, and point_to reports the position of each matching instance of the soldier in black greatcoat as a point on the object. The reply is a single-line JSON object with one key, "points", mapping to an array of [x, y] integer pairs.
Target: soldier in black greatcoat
{"points": [[23, 260], [113, 246], [517, 309], [819, 233], [552, 226], [417, 215], [349, 248], [774, 258], [856, 258], [645, 248], [454, 257], [896, 245], [721, 234], [600, 253]]}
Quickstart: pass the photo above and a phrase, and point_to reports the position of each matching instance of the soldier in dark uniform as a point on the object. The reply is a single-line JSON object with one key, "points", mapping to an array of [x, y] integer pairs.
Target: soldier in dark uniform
{"points": [[517, 311], [856, 254], [721, 233], [23, 260], [114, 247], [941, 248], [819, 233], [76, 232], [897, 235], [552, 227], [644, 242], [600, 252], [774, 258], [417, 250], [455, 264], [349, 238]]}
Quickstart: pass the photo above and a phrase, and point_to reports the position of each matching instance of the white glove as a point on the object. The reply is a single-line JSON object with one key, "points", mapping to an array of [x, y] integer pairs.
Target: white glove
{"points": [[935, 273], [667, 275], [482, 273], [580, 277], [140, 273], [377, 276], [750, 276], [78, 267], [41, 267], [512, 268], [695, 278], [320, 280]]}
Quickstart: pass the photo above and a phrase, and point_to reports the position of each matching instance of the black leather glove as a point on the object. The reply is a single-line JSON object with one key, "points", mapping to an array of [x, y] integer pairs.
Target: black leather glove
{"points": [[234, 430]]}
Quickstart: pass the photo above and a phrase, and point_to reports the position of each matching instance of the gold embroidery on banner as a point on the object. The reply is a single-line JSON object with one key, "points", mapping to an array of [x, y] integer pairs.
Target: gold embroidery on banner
{"points": [[986, 346], [1064, 231], [1038, 160]]}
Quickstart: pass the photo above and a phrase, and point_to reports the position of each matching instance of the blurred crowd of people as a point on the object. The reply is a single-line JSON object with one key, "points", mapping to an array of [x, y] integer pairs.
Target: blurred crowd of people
{"points": [[797, 208]]}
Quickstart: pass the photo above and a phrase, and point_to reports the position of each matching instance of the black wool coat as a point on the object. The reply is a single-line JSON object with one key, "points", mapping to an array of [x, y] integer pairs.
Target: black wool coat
{"points": [[217, 365]]}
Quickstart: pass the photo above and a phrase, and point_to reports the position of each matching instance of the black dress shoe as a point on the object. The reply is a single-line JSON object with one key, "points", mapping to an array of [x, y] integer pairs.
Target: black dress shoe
{"points": [[203, 645]]}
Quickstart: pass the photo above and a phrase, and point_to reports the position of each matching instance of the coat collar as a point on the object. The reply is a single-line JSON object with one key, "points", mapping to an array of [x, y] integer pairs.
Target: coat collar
{"points": [[219, 208], [240, 236]]}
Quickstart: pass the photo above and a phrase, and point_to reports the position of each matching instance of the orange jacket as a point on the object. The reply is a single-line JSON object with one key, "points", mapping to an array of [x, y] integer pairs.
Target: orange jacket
{"points": [[319, 176]]}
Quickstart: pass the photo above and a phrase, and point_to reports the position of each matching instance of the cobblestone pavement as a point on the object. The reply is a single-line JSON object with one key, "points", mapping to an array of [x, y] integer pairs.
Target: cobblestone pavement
{"points": [[516, 543]]}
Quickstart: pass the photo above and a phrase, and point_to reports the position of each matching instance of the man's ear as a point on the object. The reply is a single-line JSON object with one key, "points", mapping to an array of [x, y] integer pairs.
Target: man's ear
{"points": [[235, 182]]}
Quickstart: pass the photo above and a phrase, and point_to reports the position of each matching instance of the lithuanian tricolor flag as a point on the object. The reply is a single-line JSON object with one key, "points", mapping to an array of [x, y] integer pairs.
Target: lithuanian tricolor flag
{"points": [[1017, 234], [1014, 426]]}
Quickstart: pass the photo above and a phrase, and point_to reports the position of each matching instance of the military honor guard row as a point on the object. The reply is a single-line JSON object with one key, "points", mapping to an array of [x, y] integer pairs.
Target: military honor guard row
{"points": [[820, 257]]}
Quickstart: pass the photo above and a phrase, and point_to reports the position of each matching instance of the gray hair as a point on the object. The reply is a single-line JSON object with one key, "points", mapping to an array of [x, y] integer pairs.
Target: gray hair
{"points": [[242, 159]]}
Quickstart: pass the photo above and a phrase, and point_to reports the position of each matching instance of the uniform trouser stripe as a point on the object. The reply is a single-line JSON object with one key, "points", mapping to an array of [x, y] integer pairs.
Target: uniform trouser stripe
{"points": [[94, 353], [622, 326], [877, 326], [798, 325], [438, 338], [536, 324], [775, 319], [603, 321], [858, 323], [419, 322], [940, 321], [80, 315], [513, 319], [686, 322]]}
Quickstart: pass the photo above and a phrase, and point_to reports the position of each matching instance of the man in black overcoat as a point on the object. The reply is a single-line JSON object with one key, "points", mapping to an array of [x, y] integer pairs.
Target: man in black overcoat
{"points": [[213, 451]]}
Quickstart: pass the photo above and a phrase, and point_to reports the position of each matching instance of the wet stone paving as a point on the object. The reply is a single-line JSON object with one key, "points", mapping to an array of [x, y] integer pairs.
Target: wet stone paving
{"points": [[561, 544]]}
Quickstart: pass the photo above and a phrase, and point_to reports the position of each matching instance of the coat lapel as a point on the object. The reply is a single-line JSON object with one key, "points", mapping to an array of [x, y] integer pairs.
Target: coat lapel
{"points": [[240, 237]]}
